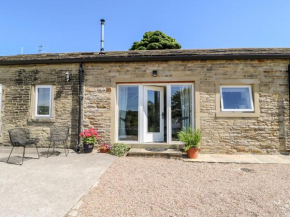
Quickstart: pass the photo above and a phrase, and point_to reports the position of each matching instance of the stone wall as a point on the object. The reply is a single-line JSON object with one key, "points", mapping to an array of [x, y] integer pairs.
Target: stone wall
{"points": [[18, 83], [266, 134]]}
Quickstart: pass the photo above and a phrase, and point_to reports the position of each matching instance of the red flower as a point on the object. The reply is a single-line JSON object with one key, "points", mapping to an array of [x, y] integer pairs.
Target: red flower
{"points": [[91, 132]]}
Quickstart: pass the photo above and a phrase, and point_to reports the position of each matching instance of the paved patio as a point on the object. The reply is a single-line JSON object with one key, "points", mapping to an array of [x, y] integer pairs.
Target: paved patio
{"points": [[211, 158], [246, 159], [47, 186]]}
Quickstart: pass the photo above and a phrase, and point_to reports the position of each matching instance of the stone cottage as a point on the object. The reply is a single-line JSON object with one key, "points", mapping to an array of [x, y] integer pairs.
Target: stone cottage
{"points": [[239, 98]]}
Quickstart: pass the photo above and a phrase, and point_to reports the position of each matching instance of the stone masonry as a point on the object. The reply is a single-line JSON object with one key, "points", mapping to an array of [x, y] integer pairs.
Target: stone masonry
{"points": [[266, 134], [17, 84]]}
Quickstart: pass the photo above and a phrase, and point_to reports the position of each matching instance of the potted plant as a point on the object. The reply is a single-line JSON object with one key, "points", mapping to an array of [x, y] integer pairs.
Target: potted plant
{"points": [[191, 139], [89, 138], [104, 148]]}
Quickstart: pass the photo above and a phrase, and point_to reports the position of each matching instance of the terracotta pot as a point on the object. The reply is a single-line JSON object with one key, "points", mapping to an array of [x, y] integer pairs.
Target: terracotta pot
{"points": [[104, 150], [88, 148], [192, 153]]}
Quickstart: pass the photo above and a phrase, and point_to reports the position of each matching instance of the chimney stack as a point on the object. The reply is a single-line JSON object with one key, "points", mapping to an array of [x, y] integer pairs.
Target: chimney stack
{"points": [[102, 36]]}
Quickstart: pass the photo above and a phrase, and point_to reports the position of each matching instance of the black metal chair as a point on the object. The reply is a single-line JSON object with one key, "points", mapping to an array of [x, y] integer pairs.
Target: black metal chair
{"points": [[59, 134], [20, 137]]}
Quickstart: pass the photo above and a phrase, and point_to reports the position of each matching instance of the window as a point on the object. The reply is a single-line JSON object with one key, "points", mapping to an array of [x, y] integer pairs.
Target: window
{"points": [[0, 98], [181, 109], [43, 103], [128, 103], [236, 98]]}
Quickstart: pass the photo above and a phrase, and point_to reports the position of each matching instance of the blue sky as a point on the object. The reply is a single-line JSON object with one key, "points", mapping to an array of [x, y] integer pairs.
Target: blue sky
{"points": [[74, 25]]}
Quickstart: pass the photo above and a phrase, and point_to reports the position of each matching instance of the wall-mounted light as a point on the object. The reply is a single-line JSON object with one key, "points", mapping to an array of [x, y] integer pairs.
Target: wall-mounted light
{"points": [[67, 76], [154, 73]]}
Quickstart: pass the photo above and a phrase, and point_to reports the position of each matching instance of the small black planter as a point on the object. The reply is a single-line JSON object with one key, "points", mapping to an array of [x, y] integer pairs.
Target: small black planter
{"points": [[88, 148]]}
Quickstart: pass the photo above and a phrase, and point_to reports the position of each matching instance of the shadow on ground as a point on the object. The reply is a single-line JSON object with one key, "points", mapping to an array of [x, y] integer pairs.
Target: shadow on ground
{"points": [[17, 160], [49, 154]]}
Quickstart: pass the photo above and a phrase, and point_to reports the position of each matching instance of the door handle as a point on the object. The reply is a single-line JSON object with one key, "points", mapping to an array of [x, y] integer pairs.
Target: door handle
{"points": [[162, 115]]}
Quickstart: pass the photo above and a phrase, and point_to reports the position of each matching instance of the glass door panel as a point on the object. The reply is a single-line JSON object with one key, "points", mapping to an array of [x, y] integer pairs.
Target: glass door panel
{"points": [[181, 109], [128, 97], [153, 108], [154, 114]]}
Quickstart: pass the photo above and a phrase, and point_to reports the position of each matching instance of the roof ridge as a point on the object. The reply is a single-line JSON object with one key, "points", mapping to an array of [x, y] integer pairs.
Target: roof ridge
{"points": [[147, 55]]}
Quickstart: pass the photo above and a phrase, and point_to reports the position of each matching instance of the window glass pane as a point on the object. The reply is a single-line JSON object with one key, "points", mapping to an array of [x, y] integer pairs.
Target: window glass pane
{"points": [[236, 98], [181, 108], [128, 113], [43, 101], [153, 111]]}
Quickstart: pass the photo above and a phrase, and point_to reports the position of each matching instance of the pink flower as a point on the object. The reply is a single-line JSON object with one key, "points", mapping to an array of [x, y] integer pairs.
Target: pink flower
{"points": [[105, 146], [91, 132]]}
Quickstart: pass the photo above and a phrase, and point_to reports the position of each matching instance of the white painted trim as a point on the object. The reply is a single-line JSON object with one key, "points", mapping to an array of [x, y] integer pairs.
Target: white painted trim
{"points": [[1, 100], [140, 115], [168, 107], [237, 86], [192, 107], [36, 100], [148, 136], [192, 110], [1, 123], [117, 115]]}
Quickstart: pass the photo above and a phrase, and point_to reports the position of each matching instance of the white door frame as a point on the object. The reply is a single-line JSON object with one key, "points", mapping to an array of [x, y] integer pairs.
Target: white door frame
{"points": [[1, 95], [153, 136], [141, 110]]}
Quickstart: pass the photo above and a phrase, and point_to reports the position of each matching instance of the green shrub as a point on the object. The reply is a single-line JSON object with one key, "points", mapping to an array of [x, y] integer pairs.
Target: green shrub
{"points": [[118, 149], [156, 40], [191, 138]]}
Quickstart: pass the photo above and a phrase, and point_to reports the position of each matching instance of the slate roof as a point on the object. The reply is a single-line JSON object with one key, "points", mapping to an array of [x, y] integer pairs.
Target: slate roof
{"points": [[148, 55]]}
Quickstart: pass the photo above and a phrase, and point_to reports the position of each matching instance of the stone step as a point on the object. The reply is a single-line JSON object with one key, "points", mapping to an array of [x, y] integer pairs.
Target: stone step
{"points": [[155, 145], [155, 152]]}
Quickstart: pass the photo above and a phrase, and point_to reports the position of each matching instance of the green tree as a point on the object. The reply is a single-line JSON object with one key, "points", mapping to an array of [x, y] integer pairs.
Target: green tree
{"points": [[155, 41]]}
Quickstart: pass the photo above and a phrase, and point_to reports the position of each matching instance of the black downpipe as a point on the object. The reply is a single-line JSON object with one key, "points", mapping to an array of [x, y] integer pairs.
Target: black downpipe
{"points": [[80, 105]]}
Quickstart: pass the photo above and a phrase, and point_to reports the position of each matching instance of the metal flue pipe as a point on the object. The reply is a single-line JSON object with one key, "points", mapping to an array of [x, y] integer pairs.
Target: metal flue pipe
{"points": [[102, 35]]}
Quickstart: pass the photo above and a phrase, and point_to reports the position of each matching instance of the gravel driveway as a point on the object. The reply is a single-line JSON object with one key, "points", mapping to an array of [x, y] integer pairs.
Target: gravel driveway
{"points": [[162, 187]]}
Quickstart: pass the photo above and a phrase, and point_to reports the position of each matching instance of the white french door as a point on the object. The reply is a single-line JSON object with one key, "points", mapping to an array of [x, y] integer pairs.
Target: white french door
{"points": [[141, 112], [153, 114]]}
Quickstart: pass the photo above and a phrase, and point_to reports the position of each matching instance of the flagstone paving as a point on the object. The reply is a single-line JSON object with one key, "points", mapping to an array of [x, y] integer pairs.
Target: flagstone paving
{"points": [[47, 186], [246, 159]]}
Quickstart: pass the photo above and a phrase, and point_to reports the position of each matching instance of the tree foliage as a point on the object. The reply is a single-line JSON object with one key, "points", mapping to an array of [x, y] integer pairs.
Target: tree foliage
{"points": [[155, 41]]}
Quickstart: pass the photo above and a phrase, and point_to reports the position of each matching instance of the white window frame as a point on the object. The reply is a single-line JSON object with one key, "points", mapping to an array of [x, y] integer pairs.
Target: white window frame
{"points": [[141, 111], [252, 109], [1, 95], [0, 99], [36, 100], [117, 114]]}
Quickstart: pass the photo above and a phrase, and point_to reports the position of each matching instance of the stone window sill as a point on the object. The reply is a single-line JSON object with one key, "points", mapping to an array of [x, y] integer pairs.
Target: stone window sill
{"points": [[238, 114], [41, 120]]}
